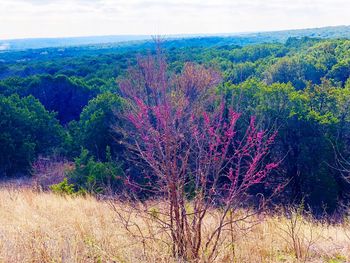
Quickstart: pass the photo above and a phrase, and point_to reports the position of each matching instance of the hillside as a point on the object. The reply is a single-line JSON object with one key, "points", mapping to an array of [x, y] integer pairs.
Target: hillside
{"points": [[64, 104], [194, 131]]}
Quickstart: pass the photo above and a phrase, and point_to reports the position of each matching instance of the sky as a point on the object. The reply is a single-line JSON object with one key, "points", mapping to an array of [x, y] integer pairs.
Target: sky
{"points": [[66, 18]]}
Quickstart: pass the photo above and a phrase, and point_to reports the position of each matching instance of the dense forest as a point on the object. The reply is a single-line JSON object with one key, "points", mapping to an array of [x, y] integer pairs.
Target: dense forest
{"points": [[64, 103]]}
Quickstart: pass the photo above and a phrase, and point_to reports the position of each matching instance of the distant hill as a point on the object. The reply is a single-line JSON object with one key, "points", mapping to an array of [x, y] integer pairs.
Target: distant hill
{"points": [[229, 38], [322, 32], [35, 43]]}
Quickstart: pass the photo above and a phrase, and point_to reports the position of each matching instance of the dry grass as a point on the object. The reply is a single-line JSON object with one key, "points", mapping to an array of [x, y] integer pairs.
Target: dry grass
{"points": [[43, 227]]}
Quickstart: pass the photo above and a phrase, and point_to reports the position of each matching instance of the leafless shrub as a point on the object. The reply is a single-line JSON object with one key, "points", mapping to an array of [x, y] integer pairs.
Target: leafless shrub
{"points": [[49, 171], [298, 232]]}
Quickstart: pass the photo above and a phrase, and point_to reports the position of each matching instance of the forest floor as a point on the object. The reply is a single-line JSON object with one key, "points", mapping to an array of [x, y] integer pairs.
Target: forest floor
{"points": [[44, 227]]}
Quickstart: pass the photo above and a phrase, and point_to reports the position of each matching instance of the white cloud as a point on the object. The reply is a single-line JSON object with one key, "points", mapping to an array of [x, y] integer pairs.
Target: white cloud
{"points": [[49, 18]]}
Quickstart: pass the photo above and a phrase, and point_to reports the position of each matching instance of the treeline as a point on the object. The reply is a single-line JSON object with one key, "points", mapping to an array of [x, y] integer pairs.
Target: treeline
{"points": [[68, 106]]}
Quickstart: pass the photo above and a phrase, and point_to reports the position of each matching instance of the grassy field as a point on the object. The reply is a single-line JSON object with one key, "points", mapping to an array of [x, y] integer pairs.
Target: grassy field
{"points": [[43, 227]]}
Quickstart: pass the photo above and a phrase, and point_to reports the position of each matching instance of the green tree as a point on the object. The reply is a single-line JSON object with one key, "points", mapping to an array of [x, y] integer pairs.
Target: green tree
{"points": [[96, 125], [26, 130]]}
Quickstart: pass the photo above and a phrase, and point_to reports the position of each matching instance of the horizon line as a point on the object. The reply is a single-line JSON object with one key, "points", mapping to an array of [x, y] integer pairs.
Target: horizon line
{"points": [[170, 35]]}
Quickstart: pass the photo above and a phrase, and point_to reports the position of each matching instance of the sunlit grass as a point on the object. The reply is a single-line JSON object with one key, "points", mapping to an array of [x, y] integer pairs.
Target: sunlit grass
{"points": [[43, 227]]}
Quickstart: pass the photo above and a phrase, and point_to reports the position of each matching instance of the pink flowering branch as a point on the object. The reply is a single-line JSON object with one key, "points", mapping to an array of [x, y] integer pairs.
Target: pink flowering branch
{"points": [[189, 139]]}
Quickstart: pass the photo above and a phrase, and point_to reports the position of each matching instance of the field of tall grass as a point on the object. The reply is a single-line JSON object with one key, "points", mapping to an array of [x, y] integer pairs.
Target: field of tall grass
{"points": [[44, 227]]}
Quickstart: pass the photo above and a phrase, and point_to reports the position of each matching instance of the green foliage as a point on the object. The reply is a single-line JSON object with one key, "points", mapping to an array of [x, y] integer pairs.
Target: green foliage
{"points": [[26, 130], [94, 131], [340, 71], [64, 95], [307, 120], [63, 188], [239, 72], [93, 176], [298, 85]]}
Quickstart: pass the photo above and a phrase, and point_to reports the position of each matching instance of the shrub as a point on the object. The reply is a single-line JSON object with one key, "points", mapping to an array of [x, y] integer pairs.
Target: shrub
{"points": [[94, 176], [63, 188], [47, 171]]}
